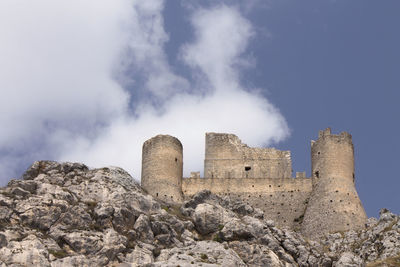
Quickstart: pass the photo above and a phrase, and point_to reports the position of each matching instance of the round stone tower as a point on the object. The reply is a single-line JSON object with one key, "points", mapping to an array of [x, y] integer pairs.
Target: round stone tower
{"points": [[334, 204], [162, 167]]}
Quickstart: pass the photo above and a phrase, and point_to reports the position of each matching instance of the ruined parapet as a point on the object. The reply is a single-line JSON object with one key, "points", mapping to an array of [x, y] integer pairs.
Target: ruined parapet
{"points": [[162, 167], [227, 157], [334, 204], [195, 175], [301, 175]]}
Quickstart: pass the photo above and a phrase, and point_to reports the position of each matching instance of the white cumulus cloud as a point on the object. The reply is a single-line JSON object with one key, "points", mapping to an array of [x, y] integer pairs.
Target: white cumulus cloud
{"points": [[90, 81]]}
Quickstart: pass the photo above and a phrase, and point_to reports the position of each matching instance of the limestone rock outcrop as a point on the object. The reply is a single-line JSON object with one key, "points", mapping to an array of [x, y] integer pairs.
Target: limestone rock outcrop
{"points": [[65, 214]]}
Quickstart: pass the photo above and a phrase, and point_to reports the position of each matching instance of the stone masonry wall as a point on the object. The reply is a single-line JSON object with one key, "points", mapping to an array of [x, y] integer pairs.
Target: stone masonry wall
{"points": [[282, 200], [334, 204], [162, 166], [327, 202], [332, 155], [227, 157]]}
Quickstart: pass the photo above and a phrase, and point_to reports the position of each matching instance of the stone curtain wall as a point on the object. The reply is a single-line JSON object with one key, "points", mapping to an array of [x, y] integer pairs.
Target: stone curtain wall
{"points": [[282, 200], [227, 157]]}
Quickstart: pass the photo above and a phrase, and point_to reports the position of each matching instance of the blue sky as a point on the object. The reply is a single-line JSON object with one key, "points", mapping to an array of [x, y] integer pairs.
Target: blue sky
{"points": [[90, 81]]}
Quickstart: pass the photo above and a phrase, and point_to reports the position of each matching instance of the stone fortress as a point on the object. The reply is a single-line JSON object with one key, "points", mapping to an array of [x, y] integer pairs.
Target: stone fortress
{"points": [[262, 177]]}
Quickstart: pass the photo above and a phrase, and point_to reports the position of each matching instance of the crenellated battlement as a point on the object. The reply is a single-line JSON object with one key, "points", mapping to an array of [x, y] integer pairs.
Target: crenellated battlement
{"points": [[325, 202], [326, 134]]}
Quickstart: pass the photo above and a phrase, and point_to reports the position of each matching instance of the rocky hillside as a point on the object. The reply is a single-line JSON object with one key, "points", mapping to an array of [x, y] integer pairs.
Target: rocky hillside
{"points": [[67, 215]]}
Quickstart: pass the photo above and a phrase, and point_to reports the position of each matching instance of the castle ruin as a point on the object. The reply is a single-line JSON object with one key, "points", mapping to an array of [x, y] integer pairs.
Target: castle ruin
{"points": [[262, 177]]}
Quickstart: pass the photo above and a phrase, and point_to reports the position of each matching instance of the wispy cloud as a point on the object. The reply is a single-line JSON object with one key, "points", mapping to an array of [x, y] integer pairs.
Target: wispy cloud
{"points": [[91, 81]]}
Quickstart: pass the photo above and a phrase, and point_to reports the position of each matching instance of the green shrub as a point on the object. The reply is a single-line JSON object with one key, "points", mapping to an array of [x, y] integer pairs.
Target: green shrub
{"points": [[58, 253], [204, 257], [218, 238]]}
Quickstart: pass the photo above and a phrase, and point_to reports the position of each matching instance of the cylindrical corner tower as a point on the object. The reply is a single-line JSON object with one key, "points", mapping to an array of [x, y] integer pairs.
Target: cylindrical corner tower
{"points": [[162, 167], [332, 156], [334, 204]]}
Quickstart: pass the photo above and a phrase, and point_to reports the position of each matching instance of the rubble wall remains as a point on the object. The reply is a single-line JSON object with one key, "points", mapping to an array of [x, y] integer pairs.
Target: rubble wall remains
{"points": [[227, 157]]}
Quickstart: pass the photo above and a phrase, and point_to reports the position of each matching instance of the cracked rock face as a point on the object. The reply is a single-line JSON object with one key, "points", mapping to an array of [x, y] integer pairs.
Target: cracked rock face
{"points": [[65, 214]]}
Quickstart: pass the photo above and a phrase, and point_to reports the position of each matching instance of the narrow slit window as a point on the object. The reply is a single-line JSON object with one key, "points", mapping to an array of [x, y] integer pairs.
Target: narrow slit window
{"points": [[247, 168]]}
